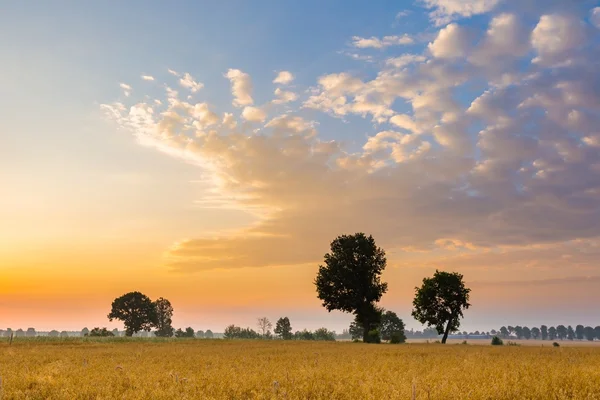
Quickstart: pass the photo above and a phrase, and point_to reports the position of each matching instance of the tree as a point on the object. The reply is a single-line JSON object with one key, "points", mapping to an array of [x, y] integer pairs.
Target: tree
{"points": [[179, 333], [324, 334], [64, 334], [208, 334], [544, 330], [30, 332], [390, 325], [597, 332], [356, 330], [19, 333], [85, 332], [97, 332], [200, 334], [519, 332], [264, 326], [511, 330], [283, 328], [535, 332], [526, 333], [570, 333], [304, 335], [504, 332], [54, 333], [561, 332], [589, 333], [552, 333], [579, 332], [164, 315], [350, 280], [189, 332], [440, 302], [115, 332], [136, 311]]}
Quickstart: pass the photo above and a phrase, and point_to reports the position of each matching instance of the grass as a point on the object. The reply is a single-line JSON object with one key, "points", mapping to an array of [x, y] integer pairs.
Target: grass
{"points": [[121, 368]]}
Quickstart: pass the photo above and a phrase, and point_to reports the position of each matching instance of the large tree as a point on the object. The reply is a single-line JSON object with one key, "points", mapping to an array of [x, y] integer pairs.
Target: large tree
{"points": [[136, 310], [589, 333], [390, 325], [350, 280], [440, 302], [579, 332], [544, 330], [552, 333], [535, 332], [164, 315], [570, 333], [561, 332], [283, 328]]}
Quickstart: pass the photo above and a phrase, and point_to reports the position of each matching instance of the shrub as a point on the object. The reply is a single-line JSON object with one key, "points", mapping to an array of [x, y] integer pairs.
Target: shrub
{"points": [[555, 344], [373, 336], [496, 341], [397, 337]]}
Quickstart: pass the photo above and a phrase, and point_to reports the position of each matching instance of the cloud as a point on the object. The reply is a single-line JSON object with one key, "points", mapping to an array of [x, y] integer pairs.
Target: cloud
{"points": [[147, 77], [452, 42], [241, 87], [402, 14], [377, 43], [284, 78], [473, 156], [445, 11], [173, 72], [126, 89], [284, 96], [595, 17], [188, 82], [254, 114]]}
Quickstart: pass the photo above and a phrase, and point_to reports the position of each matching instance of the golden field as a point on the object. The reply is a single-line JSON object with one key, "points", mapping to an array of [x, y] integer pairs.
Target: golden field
{"points": [[219, 369]]}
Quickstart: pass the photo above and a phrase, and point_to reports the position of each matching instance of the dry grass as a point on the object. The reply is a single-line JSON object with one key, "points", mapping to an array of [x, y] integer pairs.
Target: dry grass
{"points": [[216, 369]]}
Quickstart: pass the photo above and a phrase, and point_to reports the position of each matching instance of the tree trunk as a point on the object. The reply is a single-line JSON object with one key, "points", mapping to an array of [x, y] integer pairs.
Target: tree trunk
{"points": [[365, 333], [446, 332]]}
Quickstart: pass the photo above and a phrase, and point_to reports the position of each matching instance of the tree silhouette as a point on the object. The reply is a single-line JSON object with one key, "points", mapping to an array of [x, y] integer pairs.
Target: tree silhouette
{"points": [[440, 302], [283, 328], [208, 334], [589, 333], [264, 326], [579, 332], [164, 315], [392, 325], [136, 311], [570, 333], [544, 330], [535, 332], [552, 333], [526, 333], [200, 334], [561, 332], [504, 332], [350, 280]]}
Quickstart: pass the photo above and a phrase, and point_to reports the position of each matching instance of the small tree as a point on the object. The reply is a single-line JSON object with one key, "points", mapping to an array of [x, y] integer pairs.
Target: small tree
{"points": [[589, 333], [526, 333], [570, 333], [356, 330], [264, 326], [496, 341], [64, 334], [200, 334], [504, 332], [544, 330], [54, 333], [440, 302], [579, 332], [208, 334], [561, 332], [136, 311], [115, 332], [390, 325], [350, 280], [30, 332], [179, 333], [189, 332], [597, 332], [97, 332], [85, 332], [552, 333], [164, 315], [283, 328], [324, 334], [535, 332], [519, 332]]}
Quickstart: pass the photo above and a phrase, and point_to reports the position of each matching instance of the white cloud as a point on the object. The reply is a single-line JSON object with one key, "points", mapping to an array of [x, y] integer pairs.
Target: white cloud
{"points": [[173, 72], [404, 60], [187, 81], [229, 121], [241, 87], [595, 17], [555, 35], [377, 43], [402, 14], [284, 78], [147, 77], [284, 96], [254, 114], [445, 11], [453, 41], [126, 89]]}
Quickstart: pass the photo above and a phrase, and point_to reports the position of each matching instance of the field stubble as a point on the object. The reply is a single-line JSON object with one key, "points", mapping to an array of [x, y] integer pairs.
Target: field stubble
{"points": [[218, 369]]}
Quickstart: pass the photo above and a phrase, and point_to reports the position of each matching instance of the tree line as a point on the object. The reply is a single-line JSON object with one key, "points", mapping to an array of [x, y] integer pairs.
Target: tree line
{"points": [[561, 332]]}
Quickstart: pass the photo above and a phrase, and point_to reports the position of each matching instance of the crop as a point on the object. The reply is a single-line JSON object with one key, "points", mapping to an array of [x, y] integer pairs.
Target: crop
{"points": [[118, 368]]}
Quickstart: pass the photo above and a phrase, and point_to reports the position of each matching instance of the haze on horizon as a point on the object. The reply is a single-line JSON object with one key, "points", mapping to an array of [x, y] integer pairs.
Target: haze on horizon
{"points": [[209, 153]]}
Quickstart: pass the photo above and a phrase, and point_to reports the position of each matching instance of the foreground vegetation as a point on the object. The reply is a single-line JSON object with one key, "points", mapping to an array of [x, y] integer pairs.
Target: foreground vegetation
{"points": [[108, 368]]}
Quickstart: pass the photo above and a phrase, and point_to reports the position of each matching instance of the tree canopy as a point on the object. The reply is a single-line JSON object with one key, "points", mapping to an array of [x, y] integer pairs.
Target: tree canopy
{"points": [[440, 302], [164, 314], [350, 280], [283, 328], [136, 310]]}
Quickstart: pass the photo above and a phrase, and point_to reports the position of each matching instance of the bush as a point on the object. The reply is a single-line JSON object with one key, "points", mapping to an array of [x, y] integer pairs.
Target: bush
{"points": [[555, 344], [496, 341], [373, 336], [513, 344], [397, 337], [465, 342]]}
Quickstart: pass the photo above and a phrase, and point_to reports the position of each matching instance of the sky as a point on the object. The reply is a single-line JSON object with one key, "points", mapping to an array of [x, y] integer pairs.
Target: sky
{"points": [[209, 152]]}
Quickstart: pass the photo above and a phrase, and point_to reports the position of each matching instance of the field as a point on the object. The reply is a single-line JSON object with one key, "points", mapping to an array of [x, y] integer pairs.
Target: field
{"points": [[219, 369]]}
